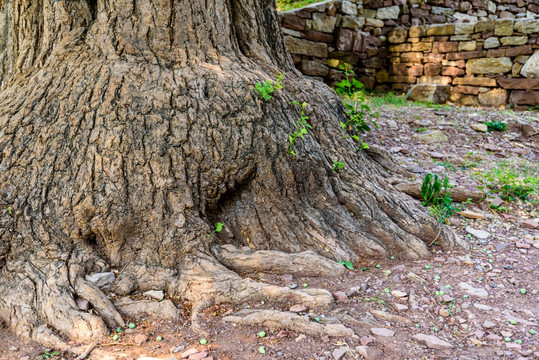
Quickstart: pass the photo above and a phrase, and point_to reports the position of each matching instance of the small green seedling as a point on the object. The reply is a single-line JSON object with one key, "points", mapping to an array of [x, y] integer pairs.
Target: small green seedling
{"points": [[512, 322], [262, 350], [115, 337], [448, 286], [388, 272], [427, 266], [523, 291], [507, 339], [119, 330], [435, 329], [386, 290], [347, 264], [337, 166], [218, 228], [533, 332], [159, 338], [436, 278], [203, 341], [317, 319], [267, 88], [47, 355], [465, 296], [496, 125], [378, 266], [132, 326], [300, 127], [305, 284], [261, 334], [417, 326], [392, 258], [9, 210], [518, 341]]}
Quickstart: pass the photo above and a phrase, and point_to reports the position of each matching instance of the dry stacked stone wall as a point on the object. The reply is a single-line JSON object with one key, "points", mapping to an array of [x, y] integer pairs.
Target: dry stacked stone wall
{"points": [[485, 52]]}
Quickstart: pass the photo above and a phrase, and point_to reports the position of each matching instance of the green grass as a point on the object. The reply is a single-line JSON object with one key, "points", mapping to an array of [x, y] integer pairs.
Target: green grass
{"points": [[512, 180], [285, 5]]}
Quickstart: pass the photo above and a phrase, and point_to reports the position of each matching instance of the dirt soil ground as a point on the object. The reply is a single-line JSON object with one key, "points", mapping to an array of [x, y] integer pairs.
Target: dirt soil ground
{"points": [[478, 304]]}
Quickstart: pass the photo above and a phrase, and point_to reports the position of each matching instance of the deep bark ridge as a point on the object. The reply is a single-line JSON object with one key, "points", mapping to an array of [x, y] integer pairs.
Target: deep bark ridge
{"points": [[130, 127]]}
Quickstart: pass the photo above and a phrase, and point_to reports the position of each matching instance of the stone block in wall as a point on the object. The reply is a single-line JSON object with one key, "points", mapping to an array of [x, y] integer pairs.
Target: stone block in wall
{"points": [[295, 33], [415, 70], [465, 55], [493, 98], [524, 97], [436, 19], [491, 7], [439, 10], [527, 26], [521, 59], [446, 46], [475, 81], [418, 31], [461, 37], [519, 50], [345, 40], [506, 15], [411, 57], [376, 23], [433, 58], [388, 13], [468, 46], [483, 26], [401, 47], [437, 30], [437, 94], [345, 57], [348, 8], [306, 47], [440, 80], [504, 27], [491, 43], [367, 13], [519, 84], [531, 67], [319, 36], [382, 76], [466, 89], [399, 69], [352, 22], [514, 40], [515, 71], [461, 64], [397, 36], [432, 69], [402, 79], [489, 66], [479, 4], [322, 23], [495, 53], [464, 29], [460, 17], [422, 46], [313, 68], [452, 71], [418, 13], [293, 22], [464, 6]]}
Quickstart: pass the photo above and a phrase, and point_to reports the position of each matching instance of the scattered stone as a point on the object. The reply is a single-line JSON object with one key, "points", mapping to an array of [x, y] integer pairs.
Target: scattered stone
{"points": [[493, 337], [369, 353], [471, 214], [513, 346], [382, 315], [339, 353], [177, 349], [298, 308], [530, 224], [479, 127], [522, 245], [432, 342], [437, 94], [400, 307], [157, 295], [101, 280], [164, 310], [398, 293], [480, 234], [300, 337], [382, 332], [14, 348], [488, 324], [470, 290], [415, 278], [476, 342], [530, 69], [140, 339], [365, 340], [198, 356], [188, 353], [340, 296], [444, 312], [482, 307]]}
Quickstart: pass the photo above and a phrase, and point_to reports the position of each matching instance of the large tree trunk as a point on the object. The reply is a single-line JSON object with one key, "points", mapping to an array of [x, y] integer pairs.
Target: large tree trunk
{"points": [[130, 127]]}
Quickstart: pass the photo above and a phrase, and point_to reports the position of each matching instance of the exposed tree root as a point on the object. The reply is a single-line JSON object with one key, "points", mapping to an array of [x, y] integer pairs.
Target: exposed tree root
{"points": [[279, 319]]}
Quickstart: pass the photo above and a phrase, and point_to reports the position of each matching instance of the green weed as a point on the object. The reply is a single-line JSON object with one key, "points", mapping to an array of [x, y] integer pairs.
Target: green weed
{"points": [[496, 125], [218, 228], [338, 166], [300, 128], [285, 5], [511, 180], [435, 194], [266, 89], [47, 354]]}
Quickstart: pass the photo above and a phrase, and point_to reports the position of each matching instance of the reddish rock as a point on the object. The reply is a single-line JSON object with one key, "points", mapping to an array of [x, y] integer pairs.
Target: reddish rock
{"points": [[345, 40], [340, 296], [452, 71], [188, 353], [519, 50], [464, 55], [198, 356], [444, 47], [432, 69], [318, 36], [470, 90], [416, 70], [524, 97], [294, 22], [530, 224], [519, 83], [494, 53]]}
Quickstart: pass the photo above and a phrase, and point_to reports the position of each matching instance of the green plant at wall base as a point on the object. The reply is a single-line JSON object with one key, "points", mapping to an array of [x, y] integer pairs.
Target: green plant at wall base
{"points": [[511, 180], [435, 194], [266, 89], [356, 108], [47, 355], [338, 166], [496, 125], [300, 128]]}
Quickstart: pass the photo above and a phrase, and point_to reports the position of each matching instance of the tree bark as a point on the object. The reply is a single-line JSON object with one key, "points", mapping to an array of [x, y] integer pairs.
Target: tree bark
{"points": [[128, 128]]}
